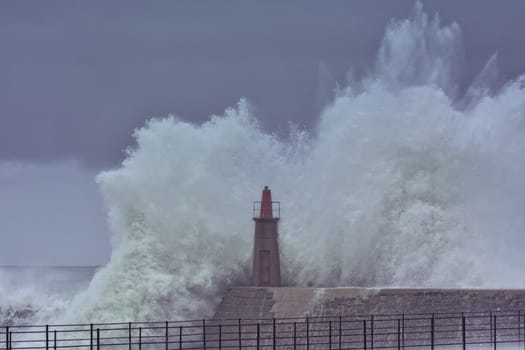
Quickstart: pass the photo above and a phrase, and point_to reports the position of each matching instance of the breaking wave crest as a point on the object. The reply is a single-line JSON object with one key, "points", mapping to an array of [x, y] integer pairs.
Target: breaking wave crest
{"points": [[403, 182]]}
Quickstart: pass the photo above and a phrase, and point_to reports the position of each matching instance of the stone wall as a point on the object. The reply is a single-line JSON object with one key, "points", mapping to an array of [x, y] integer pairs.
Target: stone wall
{"points": [[260, 303]]}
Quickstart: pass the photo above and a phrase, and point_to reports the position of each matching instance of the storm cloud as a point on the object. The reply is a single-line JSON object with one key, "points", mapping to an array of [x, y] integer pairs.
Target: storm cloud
{"points": [[78, 78]]}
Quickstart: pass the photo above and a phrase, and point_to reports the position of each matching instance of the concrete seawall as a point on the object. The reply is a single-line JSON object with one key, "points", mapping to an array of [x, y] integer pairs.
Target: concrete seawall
{"points": [[260, 302]]}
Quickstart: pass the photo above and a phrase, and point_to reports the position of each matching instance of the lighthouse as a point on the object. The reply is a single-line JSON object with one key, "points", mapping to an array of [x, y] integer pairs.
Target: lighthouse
{"points": [[266, 265]]}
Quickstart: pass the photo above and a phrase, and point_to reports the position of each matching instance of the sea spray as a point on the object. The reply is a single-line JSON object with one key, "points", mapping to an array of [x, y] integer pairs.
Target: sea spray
{"points": [[404, 181], [399, 185], [38, 294]]}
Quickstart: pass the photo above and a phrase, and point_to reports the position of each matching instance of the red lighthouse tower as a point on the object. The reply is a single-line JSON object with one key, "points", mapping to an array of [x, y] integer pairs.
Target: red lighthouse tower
{"points": [[266, 265]]}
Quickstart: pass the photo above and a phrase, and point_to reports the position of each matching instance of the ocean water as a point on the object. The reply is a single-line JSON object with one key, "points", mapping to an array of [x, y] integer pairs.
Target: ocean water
{"points": [[37, 294], [405, 180]]}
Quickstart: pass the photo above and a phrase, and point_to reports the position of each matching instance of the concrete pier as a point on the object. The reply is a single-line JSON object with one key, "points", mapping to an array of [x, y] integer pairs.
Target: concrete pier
{"points": [[269, 302]]}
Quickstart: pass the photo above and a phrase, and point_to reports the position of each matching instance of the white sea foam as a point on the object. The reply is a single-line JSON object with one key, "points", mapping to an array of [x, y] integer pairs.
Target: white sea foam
{"points": [[33, 295], [404, 182]]}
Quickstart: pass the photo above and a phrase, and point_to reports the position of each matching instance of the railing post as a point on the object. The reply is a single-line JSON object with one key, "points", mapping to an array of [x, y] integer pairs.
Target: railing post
{"points": [[372, 332], [364, 334], [204, 333], [91, 336], [180, 338], [495, 332], [398, 334], [273, 334], [55, 339], [463, 332], [167, 335], [307, 333], [258, 335], [220, 336], [98, 339], [240, 335], [519, 327], [330, 335], [129, 335], [524, 333], [403, 330], [294, 335], [340, 331], [432, 332], [47, 337], [491, 330], [7, 337], [140, 338]]}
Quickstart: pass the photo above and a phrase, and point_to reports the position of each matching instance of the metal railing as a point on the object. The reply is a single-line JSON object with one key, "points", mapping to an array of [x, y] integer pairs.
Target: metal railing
{"points": [[276, 210], [400, 331]]}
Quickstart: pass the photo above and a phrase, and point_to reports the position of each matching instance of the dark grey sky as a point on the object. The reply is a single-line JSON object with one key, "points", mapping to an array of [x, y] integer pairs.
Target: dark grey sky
{"points": [[76, 78]]}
